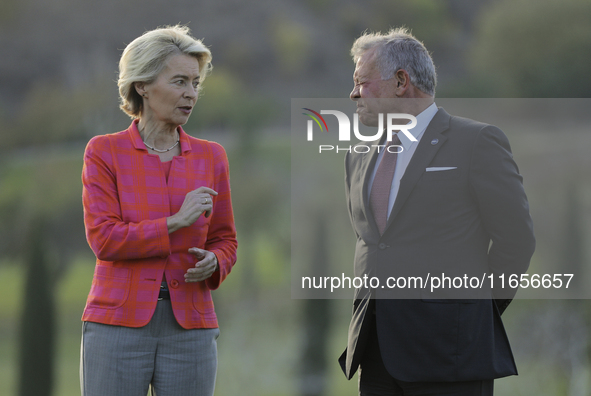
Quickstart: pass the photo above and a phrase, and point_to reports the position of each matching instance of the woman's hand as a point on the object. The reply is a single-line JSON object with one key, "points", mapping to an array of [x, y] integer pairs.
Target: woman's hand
{"points": [[196, 202], [204, 268]]}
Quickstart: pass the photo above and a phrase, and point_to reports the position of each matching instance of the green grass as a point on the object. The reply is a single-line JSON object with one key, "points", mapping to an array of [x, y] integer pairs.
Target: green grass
{"points": [[10, 295]]}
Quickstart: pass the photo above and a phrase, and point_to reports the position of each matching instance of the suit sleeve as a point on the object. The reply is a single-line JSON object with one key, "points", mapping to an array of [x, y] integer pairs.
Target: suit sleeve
{"points": [[504, 210], [110, 238], [221, 237]]}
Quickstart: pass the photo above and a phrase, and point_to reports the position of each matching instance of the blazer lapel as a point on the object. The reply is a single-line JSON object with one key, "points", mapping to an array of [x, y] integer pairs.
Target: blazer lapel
{"points": [[367, 166], [430, 143]]}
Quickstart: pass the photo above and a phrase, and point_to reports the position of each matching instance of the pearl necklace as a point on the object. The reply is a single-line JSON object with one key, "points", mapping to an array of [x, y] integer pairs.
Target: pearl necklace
{"points": [[165, 150]]}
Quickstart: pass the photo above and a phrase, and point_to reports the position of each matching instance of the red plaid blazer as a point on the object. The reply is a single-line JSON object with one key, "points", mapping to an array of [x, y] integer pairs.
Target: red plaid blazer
{"points": [[126, 201]]}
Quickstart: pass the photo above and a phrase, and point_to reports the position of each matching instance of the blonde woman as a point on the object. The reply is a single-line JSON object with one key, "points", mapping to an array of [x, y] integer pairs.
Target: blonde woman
{"points": [[158, 216]]}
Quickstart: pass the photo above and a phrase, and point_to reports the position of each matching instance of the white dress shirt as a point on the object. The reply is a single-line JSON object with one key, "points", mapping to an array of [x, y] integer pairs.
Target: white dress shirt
{"points": [[409, 147]]}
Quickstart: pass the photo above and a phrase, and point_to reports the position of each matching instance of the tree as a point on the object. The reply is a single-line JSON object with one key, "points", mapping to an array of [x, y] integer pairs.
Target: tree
{"points": [[534, 50], [37, 323], [316, 319]]}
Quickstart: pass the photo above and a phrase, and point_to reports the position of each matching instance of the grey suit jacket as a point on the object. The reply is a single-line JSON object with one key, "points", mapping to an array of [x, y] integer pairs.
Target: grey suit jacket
{"points": [[473, 219]]}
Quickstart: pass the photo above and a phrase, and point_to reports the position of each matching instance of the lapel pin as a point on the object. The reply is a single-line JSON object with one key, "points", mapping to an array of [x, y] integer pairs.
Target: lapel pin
{"points": [[434, 141]]}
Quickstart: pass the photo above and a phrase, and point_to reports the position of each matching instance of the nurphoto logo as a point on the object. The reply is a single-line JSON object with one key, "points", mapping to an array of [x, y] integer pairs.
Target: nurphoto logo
{"points": [[392, 125]]}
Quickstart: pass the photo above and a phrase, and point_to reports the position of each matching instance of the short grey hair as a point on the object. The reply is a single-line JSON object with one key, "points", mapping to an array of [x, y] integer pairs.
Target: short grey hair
{"points": [[399, 49], [145, 57]]}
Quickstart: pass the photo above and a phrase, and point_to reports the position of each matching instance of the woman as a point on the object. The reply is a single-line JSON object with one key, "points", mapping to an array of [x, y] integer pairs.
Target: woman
{"points": [[159, 219]]}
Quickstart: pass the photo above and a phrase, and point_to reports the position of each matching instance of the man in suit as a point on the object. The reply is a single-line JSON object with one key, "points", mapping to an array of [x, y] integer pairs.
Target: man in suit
{"points": [[450, 202]]}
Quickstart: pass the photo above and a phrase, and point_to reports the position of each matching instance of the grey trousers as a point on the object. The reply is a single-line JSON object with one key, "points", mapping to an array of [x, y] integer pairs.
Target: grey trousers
{"points": [[162, 356]]}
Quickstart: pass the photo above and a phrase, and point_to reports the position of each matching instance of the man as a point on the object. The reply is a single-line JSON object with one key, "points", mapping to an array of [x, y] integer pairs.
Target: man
{"points": [[452, 200]]}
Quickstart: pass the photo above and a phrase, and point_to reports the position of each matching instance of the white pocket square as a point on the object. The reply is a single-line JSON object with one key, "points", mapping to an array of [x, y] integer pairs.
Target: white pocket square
{"points": [[440, 168]]}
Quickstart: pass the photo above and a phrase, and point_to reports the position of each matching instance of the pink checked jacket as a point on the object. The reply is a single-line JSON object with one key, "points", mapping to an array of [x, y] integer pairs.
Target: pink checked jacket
{"points": [[126, 201]]}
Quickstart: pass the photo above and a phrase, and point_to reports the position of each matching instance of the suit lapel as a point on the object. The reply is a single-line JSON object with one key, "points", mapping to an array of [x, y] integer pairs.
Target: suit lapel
{"points": [[430, 143], [367, 167]]}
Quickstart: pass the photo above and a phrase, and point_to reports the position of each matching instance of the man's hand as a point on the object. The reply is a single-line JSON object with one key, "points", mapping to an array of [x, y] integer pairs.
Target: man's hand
{"points": [[206, 265]]}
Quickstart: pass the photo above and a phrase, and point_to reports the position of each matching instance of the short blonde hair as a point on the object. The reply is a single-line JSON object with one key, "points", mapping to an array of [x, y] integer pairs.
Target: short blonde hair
{"points": [[145, 57]]}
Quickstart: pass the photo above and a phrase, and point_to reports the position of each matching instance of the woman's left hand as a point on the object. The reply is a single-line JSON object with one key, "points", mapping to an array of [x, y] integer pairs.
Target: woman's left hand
{"points": [[206, 265]]}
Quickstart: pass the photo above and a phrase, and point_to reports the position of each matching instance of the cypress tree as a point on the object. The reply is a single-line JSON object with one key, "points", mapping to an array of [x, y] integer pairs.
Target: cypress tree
{"points": [[37, 322]]}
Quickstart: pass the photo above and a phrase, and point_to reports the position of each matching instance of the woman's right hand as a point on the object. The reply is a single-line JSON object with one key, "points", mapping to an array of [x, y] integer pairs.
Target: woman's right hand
{"points": [[196, 202]]}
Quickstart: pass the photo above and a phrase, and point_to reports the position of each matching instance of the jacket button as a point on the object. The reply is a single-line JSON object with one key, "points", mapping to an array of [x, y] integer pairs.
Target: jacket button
{"points": [[174, 283], [382, 246]]}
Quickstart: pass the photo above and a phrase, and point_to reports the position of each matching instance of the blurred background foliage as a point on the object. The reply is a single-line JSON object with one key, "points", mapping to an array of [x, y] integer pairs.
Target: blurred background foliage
{"points": [[541, 51], [58, 89]]}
